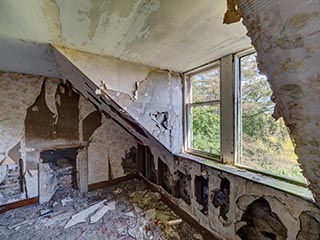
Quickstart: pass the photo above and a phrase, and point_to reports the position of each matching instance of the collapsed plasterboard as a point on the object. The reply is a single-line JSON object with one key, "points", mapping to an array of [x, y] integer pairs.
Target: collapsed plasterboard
{"points": [[102, 211], [99, 209]]}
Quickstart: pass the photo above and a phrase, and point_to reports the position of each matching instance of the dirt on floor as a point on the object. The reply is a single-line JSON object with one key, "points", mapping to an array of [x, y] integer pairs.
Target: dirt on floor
{"points": [[136, 213]]}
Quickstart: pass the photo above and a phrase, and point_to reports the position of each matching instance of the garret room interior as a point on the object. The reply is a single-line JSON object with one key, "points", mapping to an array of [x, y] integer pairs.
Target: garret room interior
{"points": [[160, 119]]}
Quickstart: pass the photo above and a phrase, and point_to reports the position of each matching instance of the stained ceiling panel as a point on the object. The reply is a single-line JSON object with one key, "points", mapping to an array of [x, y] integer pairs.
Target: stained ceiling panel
{"points": [[170, 34]]}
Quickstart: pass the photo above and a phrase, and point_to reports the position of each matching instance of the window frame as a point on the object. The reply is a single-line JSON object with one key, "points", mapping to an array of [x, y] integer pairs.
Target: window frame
{"points": [[230, 95], [188, 104], [238, 123]]}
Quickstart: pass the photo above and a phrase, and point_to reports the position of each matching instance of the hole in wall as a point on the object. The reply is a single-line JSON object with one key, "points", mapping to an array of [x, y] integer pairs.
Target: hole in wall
{"points": [[161, 119], [141, 160], [220, 199], [57, 174], [261, 222], [63, 163], [10, 186], [201, 193], [184, 187], [309, 226], [129, 162], [165, 176], [151, 173]]}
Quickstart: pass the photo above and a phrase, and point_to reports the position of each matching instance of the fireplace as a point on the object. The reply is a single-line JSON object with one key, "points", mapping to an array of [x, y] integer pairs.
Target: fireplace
{"points": [[60, 169]]}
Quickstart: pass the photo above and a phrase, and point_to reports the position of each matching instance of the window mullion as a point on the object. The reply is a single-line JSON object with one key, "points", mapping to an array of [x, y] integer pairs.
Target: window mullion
{"points": [[227, 110]]}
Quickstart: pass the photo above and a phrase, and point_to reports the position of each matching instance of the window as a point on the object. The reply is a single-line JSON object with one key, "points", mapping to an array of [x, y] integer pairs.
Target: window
{"points": [[249, 136], [265, 144], [203, 111]]}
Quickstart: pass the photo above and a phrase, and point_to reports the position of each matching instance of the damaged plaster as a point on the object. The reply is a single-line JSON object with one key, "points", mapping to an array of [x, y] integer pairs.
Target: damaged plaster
{"points": [[220, 199], [261, 222], [129, 162], [108, 145], [136, 30], [158, 107], [118, 75], [13, 109], [286, 41], [69, 119], [230, 208], [309, 226], [287, 207]]}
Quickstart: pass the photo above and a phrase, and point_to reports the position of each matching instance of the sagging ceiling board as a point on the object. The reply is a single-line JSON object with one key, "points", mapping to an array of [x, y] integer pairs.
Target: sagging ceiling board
{"points": [[170, 34]]}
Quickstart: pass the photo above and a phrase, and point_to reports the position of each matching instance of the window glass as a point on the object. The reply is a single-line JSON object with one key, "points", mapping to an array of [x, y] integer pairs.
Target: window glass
{"points": [[205, 134], [206, 85], [266, 144], [203, 111]]}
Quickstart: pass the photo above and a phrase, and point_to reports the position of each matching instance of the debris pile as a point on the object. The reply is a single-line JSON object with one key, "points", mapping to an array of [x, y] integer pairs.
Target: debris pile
{"points": [[124, 211]]}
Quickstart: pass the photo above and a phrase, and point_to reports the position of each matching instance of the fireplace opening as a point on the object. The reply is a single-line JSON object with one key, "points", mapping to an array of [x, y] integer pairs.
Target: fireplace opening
{"points": [[58, 172]]}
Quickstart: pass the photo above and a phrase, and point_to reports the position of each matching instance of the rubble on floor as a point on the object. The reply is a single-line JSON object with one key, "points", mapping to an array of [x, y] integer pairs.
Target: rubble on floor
{"points": [[125, 211]]}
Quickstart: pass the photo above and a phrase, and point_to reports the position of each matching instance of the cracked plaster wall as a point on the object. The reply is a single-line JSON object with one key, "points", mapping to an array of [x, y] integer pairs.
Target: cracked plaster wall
{"points": [[289, 209], [286, 35], [225, 212], [159, 93], [18, 93], [108, 145], [29, 97], [140, 90]]}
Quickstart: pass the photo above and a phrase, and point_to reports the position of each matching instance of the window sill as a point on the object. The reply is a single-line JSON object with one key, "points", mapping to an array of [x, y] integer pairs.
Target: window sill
{"points": [[202, 155], [281, 185]]}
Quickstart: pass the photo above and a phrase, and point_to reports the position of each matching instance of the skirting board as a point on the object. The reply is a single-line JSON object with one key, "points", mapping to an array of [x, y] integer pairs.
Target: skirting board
{"points": [[18, 204]]}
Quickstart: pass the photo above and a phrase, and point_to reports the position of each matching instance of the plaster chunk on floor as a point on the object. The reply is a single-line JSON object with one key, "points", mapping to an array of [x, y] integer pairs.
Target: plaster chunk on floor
{"points": [[83, 215], [102, 211]]}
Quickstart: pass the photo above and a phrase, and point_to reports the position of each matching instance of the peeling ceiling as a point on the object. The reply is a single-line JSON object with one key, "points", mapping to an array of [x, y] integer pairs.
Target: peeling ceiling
{"points": [[170, 34]]}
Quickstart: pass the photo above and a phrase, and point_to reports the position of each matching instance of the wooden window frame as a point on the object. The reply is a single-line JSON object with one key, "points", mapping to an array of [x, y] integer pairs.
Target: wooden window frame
{"points": [[189, 104]]}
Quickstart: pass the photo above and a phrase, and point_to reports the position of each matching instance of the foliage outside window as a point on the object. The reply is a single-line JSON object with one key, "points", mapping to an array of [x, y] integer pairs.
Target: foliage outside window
{"points": [[203, 111], [265, 143]]}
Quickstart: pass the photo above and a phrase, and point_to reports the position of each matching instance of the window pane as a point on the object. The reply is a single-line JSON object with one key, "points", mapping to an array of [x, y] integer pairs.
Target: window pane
{"points": [[205, 128], [206, 85], [266, 144]]}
